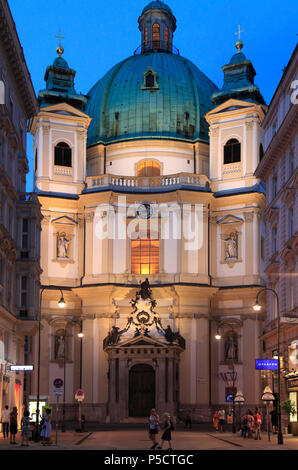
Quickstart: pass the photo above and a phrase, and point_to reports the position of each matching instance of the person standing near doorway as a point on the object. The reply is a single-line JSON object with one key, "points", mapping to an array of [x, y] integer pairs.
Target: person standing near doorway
{"points": [[5, 422], [222, 419], [13, 419], [215, 420], [153, 427]]}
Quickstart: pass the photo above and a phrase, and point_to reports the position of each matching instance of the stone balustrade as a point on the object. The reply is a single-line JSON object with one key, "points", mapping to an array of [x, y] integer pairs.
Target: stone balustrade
{"points": [[135, 183]]}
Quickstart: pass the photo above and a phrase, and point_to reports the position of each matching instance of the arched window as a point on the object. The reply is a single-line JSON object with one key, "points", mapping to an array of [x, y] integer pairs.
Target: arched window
{"points": [[145, 256], [148, 168], [232, 151], [146, 37], [167, 38], [62, 154], [156, 36]]}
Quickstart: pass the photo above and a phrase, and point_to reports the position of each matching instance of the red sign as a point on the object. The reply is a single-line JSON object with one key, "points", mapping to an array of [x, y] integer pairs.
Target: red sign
{"points": [[79, 396]]}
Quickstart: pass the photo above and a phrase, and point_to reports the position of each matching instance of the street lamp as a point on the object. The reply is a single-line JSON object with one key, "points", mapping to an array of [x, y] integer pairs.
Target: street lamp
{"points": [[239, 398], [257, 307], [80, 335], [61, 304], [218, 337]]}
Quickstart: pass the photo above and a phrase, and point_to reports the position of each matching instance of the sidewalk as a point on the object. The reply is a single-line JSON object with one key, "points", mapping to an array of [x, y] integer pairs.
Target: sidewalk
{"points": [[137, 439]]}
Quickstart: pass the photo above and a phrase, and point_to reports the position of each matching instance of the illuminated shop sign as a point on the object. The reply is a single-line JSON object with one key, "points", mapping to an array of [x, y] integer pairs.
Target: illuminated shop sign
{"points": [[17, 368], [267, 364]]}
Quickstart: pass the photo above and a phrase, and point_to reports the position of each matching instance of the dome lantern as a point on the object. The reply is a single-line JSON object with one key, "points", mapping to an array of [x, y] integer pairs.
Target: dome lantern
{"points": [[157, 25]]}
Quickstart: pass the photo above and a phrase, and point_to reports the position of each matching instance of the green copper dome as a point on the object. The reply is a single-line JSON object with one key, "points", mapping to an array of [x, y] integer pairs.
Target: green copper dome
{"points": [[157, 5], [122, 107]]}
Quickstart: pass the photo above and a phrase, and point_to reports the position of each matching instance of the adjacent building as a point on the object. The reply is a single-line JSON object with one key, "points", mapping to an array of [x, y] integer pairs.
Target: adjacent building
{"points": [[279, 169], [20, 216]]}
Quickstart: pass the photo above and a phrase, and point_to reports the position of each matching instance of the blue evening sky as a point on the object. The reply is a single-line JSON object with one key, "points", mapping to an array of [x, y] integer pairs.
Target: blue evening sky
{"points": [[99, 34]]}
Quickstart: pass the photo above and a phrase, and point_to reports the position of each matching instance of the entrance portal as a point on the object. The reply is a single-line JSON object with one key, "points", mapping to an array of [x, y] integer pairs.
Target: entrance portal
{"points": [[141, 390]]}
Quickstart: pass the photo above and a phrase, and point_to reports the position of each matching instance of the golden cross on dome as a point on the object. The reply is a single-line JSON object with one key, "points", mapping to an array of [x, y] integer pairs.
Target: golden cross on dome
{"points": [[60, 37], [60, 49], [239, 32]]}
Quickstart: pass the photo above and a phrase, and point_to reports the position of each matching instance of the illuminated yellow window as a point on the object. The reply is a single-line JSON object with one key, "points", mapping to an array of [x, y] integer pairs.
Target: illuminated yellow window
{"points": [[148, 168], [156, 36], [145, 256], [167, 38], [146, 37]]}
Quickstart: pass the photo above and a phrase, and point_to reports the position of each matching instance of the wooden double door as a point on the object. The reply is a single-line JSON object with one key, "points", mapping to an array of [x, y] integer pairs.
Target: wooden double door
{"points": [[141, 390]]}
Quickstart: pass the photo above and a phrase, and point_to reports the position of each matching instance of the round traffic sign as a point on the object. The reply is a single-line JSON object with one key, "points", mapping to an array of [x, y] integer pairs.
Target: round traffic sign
{"points": [[79, 396], [58, 383]]}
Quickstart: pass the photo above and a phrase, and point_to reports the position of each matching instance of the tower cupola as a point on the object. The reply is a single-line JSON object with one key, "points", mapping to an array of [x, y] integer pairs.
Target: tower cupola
{"points": [[157, 25]]}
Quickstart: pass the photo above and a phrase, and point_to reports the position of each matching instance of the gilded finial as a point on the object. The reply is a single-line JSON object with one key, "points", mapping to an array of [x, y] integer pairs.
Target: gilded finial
{"points": [[60, 49], [239, 43]]}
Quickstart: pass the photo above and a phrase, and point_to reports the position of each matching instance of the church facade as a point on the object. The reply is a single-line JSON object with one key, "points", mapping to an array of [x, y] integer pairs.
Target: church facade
{"points": [[151, 230]]}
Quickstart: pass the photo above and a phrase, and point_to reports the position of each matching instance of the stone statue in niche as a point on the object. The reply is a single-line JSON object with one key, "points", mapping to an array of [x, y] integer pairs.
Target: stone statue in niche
{"points": [[62, 245], [231, 348], [231, 246], [59, 347]]}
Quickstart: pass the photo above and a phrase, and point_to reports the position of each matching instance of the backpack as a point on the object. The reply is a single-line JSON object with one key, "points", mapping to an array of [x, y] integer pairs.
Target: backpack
{"points": [[245, 421], [172, 428]]}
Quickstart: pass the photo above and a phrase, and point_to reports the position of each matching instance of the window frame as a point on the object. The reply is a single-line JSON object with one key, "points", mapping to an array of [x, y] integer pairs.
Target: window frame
{"points": [[65, 147], [231, 145]]}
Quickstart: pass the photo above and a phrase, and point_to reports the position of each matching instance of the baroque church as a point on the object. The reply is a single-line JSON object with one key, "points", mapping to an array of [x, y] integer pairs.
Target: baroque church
{"points": [[151, 232]]}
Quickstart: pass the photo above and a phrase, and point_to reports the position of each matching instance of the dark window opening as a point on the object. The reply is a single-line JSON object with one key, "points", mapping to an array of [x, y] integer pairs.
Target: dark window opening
{"points": [[62, 154], [149, 82], [232, 151], [261, 152]]}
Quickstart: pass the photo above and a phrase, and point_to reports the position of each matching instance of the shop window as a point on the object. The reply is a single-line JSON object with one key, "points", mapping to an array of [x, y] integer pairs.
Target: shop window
{"points": [[63, 155], [145, 256], [148, 168], [232, 151]]}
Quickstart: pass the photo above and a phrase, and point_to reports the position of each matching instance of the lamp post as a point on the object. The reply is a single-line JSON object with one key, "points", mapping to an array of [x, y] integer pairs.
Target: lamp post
{"points": [[257, 307], [239, 398], [61, 304], [80, 335], [218, 337]]}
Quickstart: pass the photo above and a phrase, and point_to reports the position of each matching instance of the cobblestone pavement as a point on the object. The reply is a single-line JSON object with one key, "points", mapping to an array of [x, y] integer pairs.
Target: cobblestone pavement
{"points": [[137, 439]]}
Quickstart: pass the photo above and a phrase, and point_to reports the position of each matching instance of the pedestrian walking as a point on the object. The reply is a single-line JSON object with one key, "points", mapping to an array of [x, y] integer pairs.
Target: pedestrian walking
{"points": [[222, 419], [274, 420], [153, 427], [251, 423], [244, 426], [258, 423], [46, 428], [215, 420], [5, 422], [188, 421], [167, 428], [25, 426], [13, 424]]}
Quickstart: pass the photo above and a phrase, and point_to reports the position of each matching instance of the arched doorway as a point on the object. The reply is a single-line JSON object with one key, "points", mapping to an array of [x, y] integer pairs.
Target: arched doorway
{"points": [[141, 390]]}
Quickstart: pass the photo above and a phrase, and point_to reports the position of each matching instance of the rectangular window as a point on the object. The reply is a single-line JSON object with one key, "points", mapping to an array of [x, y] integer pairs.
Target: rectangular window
{"points": [[24, 287], [262, 249], [274, 187], [274, 240], [145, 256], [25, 234], [291, 222]]}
